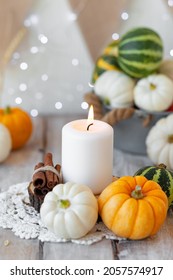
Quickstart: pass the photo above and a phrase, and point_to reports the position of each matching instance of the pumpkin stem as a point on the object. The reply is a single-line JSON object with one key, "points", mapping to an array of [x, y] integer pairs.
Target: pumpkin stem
{"points": [[152, 86], [7, 110], [161, 165], [64, 203], [170, 138], [106, 101], [137, 192]]}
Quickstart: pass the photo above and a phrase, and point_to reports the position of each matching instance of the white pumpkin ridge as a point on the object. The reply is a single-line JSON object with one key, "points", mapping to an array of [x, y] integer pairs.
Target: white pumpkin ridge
{"points": [[115, 89], [158, 144], [75, 220]]}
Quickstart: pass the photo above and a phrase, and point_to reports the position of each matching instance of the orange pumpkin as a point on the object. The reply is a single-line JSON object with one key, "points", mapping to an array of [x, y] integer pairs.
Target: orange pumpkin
{"points": [[19, 124], [133, 207]]}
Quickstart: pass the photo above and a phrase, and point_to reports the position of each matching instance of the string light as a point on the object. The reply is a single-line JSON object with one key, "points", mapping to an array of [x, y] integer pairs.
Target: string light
{"points": [[31, 20], [23, 87], [115, 36], [171, 52], [27, 23], [72, 16], [18, 100], [58, 105], [84, 105], [43, 39], [34, 113], [34, 49], [23, 66], [34, 19], [124, 16], [44, 77], [75, 62]]}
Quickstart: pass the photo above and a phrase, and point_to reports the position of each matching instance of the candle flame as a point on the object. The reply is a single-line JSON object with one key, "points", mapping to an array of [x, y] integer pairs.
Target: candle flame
{"points": [[91, 114]]}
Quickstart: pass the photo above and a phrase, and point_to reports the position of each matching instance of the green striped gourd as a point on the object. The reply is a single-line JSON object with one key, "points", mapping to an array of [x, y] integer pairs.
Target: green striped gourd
{"points": [[161, 175], [104, 63], [112, 48], [140, 52]]}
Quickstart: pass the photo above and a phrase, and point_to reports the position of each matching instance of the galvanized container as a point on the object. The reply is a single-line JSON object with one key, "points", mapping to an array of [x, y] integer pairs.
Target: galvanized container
{"points": [[130, 134]]}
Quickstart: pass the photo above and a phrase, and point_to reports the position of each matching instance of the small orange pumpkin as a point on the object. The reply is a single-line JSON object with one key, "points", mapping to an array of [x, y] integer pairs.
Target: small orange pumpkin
{"points": [[19, 124], [133, 207]]}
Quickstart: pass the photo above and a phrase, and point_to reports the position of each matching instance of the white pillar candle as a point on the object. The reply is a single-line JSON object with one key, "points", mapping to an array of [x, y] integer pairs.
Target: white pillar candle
{"points": [[87, 155]]}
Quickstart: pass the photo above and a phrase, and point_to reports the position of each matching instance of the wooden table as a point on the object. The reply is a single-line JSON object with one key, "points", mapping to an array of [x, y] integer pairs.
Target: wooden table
{"points": [[19, 168]]}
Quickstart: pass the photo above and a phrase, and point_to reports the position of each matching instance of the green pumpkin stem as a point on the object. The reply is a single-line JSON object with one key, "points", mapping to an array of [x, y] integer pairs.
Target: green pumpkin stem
{"points": [[7, 110], [137, 192], [64, 203], [152, 86], [106, 101], [161, 165]]}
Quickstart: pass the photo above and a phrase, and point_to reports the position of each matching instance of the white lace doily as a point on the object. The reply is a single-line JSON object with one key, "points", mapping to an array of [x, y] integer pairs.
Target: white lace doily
{"points": [[16, 214]]}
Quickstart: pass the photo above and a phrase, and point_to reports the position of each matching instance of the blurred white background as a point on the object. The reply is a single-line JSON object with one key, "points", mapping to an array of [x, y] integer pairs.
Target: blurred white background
{"points": [[50, 71]]}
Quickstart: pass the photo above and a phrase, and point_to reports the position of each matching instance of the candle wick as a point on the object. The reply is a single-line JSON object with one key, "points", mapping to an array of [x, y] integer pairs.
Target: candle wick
{"points": [[89, 126]]}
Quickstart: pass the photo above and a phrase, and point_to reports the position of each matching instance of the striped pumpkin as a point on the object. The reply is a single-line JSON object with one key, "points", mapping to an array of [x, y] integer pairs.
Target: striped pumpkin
{"points": [[140, 52], [112, 48], [161, 175], [104, 63]]}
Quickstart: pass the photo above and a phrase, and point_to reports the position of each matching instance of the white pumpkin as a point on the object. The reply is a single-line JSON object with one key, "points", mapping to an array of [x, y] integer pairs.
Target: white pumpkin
{"points": [[115, 89], [154, 93], [5, 142], [159, 142], [70, 210]]}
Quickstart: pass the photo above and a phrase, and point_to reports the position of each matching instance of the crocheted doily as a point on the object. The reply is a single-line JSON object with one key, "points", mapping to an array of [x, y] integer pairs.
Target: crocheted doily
{"points": [[17, 214]]}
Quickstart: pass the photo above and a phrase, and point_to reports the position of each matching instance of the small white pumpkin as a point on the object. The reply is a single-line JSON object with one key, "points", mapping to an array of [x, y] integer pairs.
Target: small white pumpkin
{"points": [[5, 142], [115, 89], [70, 210], [159, 142], [154, 93]]}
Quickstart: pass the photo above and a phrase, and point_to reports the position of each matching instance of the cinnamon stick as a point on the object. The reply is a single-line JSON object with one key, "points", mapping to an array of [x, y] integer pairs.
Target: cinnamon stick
{"points": [[57, 180], [35, 200], [41, 191], [49, 174], [39, 178]]}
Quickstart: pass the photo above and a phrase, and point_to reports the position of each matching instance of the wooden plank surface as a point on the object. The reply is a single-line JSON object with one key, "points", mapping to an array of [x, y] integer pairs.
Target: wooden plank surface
{"points": [[17, 249], [68, 251]]}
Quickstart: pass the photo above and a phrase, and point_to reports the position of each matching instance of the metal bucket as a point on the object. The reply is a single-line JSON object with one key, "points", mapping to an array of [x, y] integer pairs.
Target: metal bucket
{"points": [[130, 134]]}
